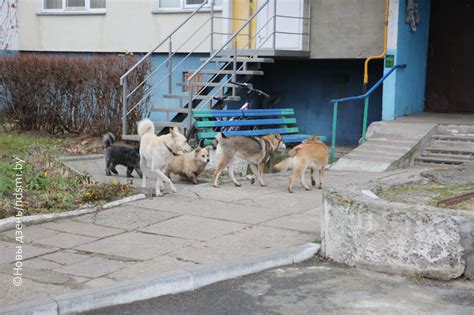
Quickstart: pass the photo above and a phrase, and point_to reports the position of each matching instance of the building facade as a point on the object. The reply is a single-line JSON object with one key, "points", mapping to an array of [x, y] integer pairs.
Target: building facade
{"points": [[318, 53]]}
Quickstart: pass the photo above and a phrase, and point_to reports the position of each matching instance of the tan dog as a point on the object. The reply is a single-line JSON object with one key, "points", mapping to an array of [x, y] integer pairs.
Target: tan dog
{"points": [[189, 165], [256, 151], [156, 152], [310, 153]]}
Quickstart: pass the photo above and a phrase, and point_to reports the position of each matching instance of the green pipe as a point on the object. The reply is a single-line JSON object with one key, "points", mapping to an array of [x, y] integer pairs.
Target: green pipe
{"points": [[334, 127], [364, 123]]}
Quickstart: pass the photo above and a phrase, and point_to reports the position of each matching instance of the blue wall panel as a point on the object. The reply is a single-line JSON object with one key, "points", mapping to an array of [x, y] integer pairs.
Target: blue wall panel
{"points": [[309, 85], [406, 90]]}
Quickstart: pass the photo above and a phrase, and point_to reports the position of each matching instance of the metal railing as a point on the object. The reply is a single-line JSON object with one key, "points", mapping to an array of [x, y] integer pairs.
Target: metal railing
{"points": [[238, 56], [217, 80], [127, 94], [365, 96]]}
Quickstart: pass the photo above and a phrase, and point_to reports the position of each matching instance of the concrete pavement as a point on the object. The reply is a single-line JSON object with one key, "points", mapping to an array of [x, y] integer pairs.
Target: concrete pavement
{"points": [[198, 225]]}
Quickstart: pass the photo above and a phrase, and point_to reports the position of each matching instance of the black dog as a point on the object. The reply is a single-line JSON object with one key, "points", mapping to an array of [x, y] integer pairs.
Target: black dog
{"points": [[120, 155]]}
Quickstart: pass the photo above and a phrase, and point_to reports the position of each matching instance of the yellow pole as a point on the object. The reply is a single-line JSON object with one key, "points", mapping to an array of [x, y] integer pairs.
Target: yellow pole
{"points": [[382, 55]]}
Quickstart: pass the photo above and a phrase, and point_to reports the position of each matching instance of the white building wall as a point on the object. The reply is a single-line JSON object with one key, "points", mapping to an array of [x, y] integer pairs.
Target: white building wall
{"points": [[8, 25], [127, 26]]}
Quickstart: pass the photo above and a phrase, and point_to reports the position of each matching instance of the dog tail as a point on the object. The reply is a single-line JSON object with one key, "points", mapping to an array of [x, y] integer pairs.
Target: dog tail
{"points": [[108, 139], [145, 126], [283, 166]]}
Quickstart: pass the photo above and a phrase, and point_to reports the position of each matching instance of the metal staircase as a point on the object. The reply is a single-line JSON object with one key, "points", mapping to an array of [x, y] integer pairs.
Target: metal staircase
{"points": [[171, 101]]}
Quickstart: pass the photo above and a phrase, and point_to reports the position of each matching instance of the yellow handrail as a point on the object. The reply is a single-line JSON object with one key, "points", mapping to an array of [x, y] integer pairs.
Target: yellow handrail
{"points": [[382, 55]]}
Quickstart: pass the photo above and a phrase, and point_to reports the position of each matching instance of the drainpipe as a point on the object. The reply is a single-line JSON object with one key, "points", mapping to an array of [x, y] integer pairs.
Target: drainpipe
{"points": [[382, 55]]}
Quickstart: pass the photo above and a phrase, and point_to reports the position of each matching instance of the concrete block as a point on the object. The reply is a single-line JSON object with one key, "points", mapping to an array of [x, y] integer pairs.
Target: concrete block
{"points": [[392, 237], [36, 307]]}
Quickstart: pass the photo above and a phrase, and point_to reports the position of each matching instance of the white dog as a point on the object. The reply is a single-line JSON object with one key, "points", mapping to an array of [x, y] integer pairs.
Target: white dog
{"points": [[156, 152]]}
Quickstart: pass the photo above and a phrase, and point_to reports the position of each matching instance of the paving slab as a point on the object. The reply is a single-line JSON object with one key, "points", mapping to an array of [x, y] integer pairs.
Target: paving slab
{"points": [[72, 227], [160, 264], [92, 267], [126, 217], [8, 250], [194, 228], [64, 257], [65, 240], [249, 241], [30, 233], [135, 245], [299, 222], [214, 209], [29, 290]]}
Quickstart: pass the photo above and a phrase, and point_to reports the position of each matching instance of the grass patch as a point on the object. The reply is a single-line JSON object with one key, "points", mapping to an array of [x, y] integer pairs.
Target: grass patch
{"points": [[47, 185], [428, 194]]}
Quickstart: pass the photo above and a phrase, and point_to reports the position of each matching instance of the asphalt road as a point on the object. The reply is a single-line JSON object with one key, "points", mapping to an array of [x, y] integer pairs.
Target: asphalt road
{"points": [[314, 287]]}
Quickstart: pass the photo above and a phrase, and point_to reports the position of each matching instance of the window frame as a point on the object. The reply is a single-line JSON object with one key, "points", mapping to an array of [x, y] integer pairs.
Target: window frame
{"points": [[183, 7], [73, 10]]}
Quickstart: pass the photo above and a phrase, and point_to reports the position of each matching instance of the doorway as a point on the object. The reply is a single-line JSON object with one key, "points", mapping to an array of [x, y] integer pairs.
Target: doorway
{"points": [[450, 72]]}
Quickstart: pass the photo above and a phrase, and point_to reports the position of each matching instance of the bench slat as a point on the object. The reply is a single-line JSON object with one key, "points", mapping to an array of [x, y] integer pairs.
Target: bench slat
{"points": [[299, 138], [249, 133], [243, 113], [239, 122]]}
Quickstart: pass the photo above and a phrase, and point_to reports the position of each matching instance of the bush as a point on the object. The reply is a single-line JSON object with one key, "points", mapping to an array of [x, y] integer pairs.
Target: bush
{"points": [[63, 94]]}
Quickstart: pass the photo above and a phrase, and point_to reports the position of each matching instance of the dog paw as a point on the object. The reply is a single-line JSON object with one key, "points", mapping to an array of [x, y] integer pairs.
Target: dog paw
{"points": [[320, 187], [290, 191], [217, 186], [252, 180], [263, 184], [173, 189], [238, 184], [313, 182], [307, 188]]}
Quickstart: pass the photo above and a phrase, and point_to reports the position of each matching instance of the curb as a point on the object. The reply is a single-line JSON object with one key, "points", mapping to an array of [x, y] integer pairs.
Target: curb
{"points": [[162, 284], [10, 223]]}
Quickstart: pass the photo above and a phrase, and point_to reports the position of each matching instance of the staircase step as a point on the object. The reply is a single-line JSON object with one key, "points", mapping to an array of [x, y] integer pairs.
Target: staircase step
{"points": [[450, 151], [457, 157], [238, 72], [453, 138], [170, 110], [437, 160], [211, 84], [240, 59], [199, 97]]}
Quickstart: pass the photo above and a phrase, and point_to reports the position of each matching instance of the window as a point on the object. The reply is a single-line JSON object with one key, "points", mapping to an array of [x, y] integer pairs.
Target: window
{"points": [[67, 6], [185, 4]]}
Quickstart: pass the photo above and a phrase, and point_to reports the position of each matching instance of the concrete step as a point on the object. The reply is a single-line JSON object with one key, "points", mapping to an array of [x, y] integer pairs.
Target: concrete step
{"points": [[239, 72], [457, 138], [448, 156], [450, 151], [452, 145], [454, 130], [436, 160]]}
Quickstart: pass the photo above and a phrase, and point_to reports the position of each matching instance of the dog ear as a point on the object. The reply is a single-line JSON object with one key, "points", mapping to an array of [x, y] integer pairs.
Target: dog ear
{"points": [[198, 149]]}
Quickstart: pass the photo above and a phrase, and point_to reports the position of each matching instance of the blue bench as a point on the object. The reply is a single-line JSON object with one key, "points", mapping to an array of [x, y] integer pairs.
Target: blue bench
{"points": [[268, 121]]}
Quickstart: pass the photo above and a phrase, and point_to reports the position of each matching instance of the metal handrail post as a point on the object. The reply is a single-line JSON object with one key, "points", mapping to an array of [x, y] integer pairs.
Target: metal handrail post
{"points": [[162, 42], [234, 75], [170, 68], [124, 107], [334, 128], [212, 27], [310, 15], [364, 123], [274, 23], [190, 109]]}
